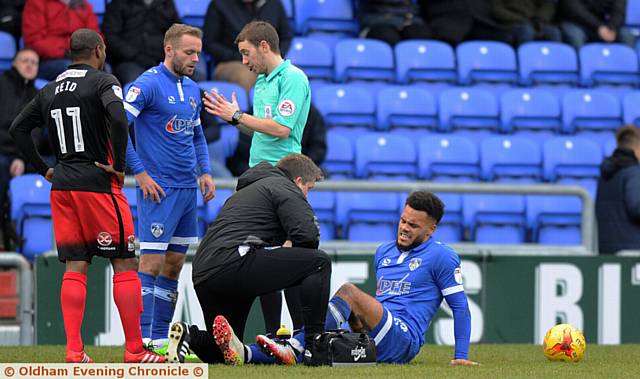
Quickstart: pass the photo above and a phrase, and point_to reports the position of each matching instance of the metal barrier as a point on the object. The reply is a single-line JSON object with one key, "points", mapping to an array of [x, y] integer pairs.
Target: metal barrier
{"points": [[26, 312], [587, 232]]}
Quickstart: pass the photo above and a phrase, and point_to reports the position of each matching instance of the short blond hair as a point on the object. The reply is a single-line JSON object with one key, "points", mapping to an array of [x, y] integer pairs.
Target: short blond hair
{"points": [[173, 34]]}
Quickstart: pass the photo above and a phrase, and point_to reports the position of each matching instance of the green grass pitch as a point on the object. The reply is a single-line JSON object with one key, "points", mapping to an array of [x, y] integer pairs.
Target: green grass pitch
{"points": [[497, 361]]}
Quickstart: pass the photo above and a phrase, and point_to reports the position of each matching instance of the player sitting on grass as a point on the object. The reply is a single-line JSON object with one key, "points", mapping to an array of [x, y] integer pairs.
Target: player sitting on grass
{"points": [[414, 274]]}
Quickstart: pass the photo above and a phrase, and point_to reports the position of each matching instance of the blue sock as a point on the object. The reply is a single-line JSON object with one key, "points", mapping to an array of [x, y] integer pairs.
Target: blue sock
{"points": [[148, 283], [337, 313], [165, 297], [258, 357]]}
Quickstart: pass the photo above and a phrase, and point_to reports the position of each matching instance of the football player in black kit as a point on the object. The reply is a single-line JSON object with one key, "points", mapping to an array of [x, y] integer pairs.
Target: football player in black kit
{"points": [[87, 125]]}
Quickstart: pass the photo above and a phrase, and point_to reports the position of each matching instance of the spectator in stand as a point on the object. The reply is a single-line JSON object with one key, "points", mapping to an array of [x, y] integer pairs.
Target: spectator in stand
{"points": [[529, 19], [11, 16], [17, 89], [455, 21], [391, 21], [47, 26], [595, 21], [618, 196], [134, 30], [225, 19]]}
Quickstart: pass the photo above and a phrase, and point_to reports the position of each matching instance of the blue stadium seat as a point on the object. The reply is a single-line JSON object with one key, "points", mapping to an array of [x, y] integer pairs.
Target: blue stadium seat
{"points": [[365, 59], [340, 159], [406, 107], [547, 63], [486, 61], [425, 60], [324, 15], [98, 8], [608, 63], [214, 205], [609, 146], [530, 109], [385, 155], [509, 158], [31, 211], [448, 158], [633, 14], [313, 56], [498, 219], [324, 206], [631, 106], [192, 12], [226, 89], [571, 158], [554, 220], [40, 83], [345, 105], [7, 50], [288, 8], [451, 227], [368, 216], [590, 110], [468, 108], [132, 200]]}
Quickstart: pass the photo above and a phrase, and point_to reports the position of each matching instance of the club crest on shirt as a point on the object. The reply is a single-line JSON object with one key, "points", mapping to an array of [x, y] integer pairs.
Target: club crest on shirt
{"points": [[267, 111], [132, 94], [386, 262], [286, 107], [157, 229], [192, 102], [131, 246], [414, 263], [104, 239]]}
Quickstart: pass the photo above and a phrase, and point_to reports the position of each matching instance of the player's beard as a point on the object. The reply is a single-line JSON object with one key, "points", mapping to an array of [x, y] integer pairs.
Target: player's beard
{"points": [[416, 242], [181, 69]]}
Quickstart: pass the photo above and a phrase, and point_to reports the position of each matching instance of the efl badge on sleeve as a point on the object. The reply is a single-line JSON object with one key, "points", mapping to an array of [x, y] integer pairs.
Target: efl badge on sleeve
{"points": [[132, 94], [117, 91]]}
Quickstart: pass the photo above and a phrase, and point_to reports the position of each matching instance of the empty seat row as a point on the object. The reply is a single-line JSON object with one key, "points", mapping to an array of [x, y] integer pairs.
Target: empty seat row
{"points": [[471, 62], [499, 219], [475, 108], [458, 158]]}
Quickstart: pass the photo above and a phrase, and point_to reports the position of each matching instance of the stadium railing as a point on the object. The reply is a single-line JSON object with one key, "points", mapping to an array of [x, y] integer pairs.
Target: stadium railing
{"points": [[587, 225]]}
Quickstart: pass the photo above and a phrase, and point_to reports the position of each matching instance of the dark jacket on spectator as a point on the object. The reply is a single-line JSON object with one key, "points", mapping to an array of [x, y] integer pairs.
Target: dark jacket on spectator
{"points": [[398, 13], [226, 18], [592, 14], [11, 16], [16, 92], [135, 31], [618, 203], [454, 21], [513, 12]]}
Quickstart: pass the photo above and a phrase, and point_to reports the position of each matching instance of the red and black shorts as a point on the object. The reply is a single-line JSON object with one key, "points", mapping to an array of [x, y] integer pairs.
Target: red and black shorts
{"points": [[92, 223]]}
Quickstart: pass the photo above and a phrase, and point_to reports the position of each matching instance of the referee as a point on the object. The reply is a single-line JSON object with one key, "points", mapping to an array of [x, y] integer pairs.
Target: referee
{"points": [[280, 111], [282, 97]]}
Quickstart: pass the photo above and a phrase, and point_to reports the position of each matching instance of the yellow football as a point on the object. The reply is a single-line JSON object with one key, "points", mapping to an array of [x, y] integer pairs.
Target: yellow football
{"points": [[563, 342]]}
